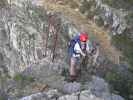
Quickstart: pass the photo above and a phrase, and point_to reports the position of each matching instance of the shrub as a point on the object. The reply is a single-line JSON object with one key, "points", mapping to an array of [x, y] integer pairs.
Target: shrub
{"points": [[109, 2], [129, 18], [126, 4], [2, 98], [120, 84], [129, 1], [100, 22], [125, 44], [20, 77], [29, 78], [86, 6]]}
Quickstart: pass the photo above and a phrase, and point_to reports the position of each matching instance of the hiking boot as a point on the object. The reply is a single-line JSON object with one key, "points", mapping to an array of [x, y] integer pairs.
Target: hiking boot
{"points": [[71, 78]]}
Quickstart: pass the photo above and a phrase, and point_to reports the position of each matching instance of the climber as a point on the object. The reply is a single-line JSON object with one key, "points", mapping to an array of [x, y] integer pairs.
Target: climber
{"points": [[78, 49]]}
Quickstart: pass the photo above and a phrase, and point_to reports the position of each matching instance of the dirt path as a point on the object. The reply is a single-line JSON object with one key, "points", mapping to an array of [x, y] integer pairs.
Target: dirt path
{"points": [[82, 23]]}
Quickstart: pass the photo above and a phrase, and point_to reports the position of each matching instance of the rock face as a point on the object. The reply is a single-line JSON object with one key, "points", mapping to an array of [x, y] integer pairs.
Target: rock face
{"points": [[71, 87], [19, 2], [26, 37], [105, 15], [96, 91], [19, 46]]}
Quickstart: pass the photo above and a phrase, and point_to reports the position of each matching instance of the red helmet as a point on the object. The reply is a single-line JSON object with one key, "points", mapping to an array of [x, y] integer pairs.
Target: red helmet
{"points": [[83, 37]]}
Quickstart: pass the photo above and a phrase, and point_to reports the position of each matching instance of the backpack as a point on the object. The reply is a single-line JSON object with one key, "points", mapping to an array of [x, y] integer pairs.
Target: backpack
{"points": [[72, 43]]}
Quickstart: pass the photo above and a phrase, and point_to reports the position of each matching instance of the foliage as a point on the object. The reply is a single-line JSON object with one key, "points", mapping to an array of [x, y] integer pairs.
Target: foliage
{"points": [[18, 77], [125, 44], [2, 98], [129, 18], [109, 2], [23, 78], [121, 84], [129, 1], [119, 3], [100, 22], [86, 6]]}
